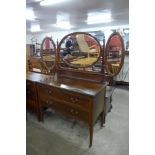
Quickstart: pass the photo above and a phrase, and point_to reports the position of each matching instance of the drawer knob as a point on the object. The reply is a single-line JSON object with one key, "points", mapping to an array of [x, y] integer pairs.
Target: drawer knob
{"points": [[48, 102], [72, 111], [76, 112], [74, 99], [50, 92]]}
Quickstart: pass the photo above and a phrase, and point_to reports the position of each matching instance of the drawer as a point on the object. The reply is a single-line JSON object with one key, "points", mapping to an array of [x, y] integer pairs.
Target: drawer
{"points": [[77, 99], [31, 105], [72, 98], [48, 92], [78, 114], [30, 85], [30, 94], [66, 110]]}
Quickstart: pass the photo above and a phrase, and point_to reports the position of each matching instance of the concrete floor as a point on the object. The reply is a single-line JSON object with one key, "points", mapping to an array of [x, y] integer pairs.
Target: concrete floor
{"points": [[60, 135]]}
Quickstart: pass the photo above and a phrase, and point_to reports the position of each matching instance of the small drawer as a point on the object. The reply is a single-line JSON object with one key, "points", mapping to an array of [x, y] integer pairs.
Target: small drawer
{"points": [[30, 84], [48, 91], [30, 94], [61, 95], [66, 109], [82, 115], [77, 99]]}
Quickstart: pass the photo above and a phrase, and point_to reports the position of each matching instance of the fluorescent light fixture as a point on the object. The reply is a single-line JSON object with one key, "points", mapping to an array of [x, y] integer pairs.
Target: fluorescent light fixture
{"points": [[63, 21], [35, 28], [63, 25], [99, 17], [30, 14], [51, 2]]}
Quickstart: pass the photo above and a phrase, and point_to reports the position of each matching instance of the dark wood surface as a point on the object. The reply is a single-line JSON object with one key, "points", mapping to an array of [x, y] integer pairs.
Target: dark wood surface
{"points": [[31, 97], [80, 100]]}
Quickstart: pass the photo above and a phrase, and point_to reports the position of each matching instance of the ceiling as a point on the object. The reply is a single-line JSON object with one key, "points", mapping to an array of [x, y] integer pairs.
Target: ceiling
{"points": [[78, 10]]}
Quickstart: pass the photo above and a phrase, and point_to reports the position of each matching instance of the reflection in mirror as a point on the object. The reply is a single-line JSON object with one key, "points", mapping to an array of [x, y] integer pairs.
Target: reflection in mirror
{"points": [[114, 54], [48, 54], [79, 50]]}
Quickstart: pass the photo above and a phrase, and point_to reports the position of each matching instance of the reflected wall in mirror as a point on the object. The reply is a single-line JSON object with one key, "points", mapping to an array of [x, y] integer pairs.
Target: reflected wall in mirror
{"points": [[48, 55], [114, 54], [79, 50]]}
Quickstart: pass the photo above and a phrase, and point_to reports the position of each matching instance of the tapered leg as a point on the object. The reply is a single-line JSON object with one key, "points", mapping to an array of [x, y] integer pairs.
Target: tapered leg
{"points": [[102, 118], [91, 134], [40, 114]]}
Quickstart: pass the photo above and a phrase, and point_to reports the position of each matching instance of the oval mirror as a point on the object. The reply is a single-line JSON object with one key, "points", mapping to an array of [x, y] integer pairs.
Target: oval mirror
{"points": [[114, 54], [79, 50], [48, 54]]}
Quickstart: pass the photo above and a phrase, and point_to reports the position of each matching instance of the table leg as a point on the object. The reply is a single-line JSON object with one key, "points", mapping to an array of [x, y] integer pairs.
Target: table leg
{"points": [[91, 134]]}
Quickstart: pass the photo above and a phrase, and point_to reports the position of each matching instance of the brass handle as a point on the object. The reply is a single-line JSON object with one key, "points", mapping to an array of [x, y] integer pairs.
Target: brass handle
{"points": [[74, 99], [72, 111], [48, 102], [76, 112], [49, 92]]}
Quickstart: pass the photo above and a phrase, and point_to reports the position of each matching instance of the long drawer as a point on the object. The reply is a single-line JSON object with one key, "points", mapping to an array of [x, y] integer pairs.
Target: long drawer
{"points": [[49, 92], [66, 109], [30, 84]]}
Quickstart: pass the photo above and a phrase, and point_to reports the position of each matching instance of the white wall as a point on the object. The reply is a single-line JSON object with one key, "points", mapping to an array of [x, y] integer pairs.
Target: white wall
{"points": [[28, 39], [55, 36]]}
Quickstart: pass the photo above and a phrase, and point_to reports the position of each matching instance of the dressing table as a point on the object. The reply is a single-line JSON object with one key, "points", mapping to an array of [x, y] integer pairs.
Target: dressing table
{"points": [[76, 88]]}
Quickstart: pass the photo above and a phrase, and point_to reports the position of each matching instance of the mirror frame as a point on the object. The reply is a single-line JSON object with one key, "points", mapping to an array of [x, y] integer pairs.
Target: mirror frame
{"points": [[41, 51], [122, 56], [73, 66]]}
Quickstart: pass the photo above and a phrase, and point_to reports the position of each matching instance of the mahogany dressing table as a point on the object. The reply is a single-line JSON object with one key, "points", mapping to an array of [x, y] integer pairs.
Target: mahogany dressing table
{"points": [[77, 89]]}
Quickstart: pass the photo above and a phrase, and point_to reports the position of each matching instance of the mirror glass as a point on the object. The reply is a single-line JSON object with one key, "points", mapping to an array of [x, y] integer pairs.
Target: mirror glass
{"points": [[79, 50], [114, 54], [48, 54]]}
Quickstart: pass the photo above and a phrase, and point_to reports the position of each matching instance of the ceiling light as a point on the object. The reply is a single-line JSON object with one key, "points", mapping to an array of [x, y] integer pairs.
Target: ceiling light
{"points": [[63, 25], [30, 14], [63, 20], [99, 17], [51, 2], [35, 28]]}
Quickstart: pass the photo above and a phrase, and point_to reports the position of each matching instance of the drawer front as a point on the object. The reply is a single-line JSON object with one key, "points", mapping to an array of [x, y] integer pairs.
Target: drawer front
{"points": [[31, 105], [30, 85], [77, 99], [48, 92], [30, 94], [66, 109], [30, 90]]}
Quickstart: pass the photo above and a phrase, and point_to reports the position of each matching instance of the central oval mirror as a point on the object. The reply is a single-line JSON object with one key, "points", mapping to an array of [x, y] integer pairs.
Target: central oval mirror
{"points": [[48, 54], [114, 54], [79, 50]]}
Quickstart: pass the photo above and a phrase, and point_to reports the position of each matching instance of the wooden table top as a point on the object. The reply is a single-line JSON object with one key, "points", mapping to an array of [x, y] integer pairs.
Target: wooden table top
{"points": [[78, 86]]}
